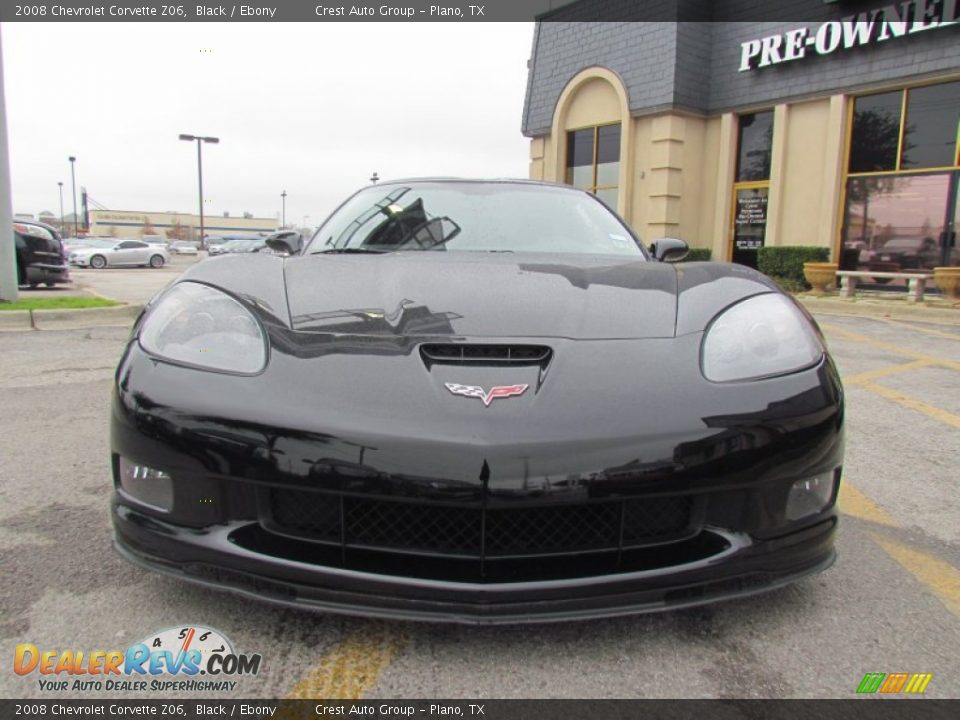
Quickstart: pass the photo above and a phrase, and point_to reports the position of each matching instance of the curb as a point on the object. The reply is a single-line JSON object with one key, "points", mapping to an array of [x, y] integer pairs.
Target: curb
{"points": [[84, 317], [13, 320], [69, 318], [891, 310]]}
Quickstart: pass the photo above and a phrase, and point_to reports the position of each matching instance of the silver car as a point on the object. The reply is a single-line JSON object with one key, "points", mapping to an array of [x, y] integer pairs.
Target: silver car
{"points": [[120, 253]]}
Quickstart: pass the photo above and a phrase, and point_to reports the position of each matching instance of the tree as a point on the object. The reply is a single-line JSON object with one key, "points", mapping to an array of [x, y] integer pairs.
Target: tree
{"points": [[179, 231]]}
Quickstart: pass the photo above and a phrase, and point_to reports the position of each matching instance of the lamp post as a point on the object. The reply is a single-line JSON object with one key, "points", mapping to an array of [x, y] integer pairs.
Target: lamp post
{"points": [[200, 140], [283, 221], [73, 192], [61, 206]]}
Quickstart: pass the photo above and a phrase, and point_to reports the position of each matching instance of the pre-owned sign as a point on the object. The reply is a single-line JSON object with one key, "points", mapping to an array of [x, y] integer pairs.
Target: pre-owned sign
{"points": [[892, 21]]}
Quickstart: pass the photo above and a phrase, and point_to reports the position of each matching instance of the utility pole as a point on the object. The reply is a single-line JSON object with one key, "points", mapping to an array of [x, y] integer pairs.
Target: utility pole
{"points": [[73, 188], [8, 253], [200, 140], [283, 221], [61, 207]]}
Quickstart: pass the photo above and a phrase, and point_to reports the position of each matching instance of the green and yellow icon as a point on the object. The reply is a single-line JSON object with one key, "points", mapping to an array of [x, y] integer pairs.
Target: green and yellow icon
{"points": [[894, 683]]}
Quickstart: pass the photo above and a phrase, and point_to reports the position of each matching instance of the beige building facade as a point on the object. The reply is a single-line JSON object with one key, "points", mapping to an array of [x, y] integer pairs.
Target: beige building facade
{"points": [[685, 134]]}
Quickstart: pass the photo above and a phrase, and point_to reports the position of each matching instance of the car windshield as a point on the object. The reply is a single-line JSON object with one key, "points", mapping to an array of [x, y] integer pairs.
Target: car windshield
{"points": [[474, 216]]}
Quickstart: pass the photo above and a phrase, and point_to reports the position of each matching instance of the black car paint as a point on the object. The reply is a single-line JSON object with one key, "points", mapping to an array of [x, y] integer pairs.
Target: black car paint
{"points": [[347, 405], [39, 259]]}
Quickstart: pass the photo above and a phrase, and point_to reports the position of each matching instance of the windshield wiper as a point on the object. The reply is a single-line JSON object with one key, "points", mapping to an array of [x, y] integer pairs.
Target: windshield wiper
{"points": [[349, 251]]}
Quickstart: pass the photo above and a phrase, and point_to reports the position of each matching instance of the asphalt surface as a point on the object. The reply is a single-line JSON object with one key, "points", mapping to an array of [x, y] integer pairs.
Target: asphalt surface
{"points": [[890, 604]]}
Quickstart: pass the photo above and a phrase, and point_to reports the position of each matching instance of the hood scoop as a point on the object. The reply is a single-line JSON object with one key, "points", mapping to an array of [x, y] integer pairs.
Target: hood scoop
{"points": [[485, 355]]}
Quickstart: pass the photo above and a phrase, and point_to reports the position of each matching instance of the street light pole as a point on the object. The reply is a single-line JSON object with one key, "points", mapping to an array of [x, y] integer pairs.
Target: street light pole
{"points": [[283, 221], [73, 191], [199, 140], [8, 248], [61, 207]]}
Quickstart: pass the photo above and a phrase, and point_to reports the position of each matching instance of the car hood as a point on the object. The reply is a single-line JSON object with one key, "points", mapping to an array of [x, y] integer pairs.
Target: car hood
{"points": [[482, 294]]}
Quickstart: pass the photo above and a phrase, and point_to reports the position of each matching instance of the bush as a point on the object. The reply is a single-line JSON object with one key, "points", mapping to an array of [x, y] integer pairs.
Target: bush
{"points": [[785, 264], [697, 255]]}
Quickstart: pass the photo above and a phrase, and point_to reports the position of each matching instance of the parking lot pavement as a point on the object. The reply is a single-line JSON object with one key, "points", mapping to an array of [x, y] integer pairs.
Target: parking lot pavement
{"points": [[131, 285], [890, 604]]}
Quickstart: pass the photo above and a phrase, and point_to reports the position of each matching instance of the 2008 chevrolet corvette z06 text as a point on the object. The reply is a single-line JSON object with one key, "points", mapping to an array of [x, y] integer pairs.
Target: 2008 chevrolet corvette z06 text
{"points": [[481, 402]]}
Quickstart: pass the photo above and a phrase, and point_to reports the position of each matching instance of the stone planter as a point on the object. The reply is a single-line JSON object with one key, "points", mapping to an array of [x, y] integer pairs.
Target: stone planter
{"points": [[821, 275], [948, 280]]}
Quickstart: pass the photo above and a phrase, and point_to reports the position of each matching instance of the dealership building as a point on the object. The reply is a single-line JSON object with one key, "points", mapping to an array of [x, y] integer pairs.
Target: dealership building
{"points": [[840, 130], [181, 226]]}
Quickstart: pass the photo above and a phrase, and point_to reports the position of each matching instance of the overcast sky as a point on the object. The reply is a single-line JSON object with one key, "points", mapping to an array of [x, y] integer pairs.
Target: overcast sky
{"points": [[311, 108]]}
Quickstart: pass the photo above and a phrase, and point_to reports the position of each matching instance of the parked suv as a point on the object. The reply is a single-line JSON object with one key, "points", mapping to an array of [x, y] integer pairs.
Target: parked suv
{"points": [[39, 254]]}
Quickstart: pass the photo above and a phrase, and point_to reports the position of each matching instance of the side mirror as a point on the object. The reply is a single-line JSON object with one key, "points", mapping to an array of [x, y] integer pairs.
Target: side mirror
{"points": [[288, 242], [669, 249]]}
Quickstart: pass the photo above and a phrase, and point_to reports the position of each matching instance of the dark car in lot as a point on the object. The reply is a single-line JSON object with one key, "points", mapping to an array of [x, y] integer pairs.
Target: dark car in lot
{"points": [[906, 253], [39, 251], [477, 401]]}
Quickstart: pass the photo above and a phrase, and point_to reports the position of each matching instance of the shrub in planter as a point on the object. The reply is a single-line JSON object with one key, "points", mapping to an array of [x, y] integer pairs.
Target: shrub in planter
{"points": [[786, 263], [697, 255]]}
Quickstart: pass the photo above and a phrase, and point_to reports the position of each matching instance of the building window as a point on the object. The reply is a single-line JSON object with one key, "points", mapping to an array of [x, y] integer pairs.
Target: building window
{"points": [[751, 188], [876, 132], [754, 146], [903, 178], [906, 129], [930, 132], [593, 161]]}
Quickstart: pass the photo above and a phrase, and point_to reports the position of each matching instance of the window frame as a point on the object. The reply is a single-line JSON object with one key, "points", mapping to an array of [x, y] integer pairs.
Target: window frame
{"points": [[593, 175], [898, 171], [739, 185], [904, 107]]}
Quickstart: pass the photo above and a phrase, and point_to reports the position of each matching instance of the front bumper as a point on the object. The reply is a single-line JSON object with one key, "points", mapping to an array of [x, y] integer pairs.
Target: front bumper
{"points": [[213, 557], [47, 273]]}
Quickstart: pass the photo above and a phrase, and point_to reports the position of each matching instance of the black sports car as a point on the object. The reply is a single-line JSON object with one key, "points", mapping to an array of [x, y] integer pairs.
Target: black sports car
{"points": [[482, 402]]}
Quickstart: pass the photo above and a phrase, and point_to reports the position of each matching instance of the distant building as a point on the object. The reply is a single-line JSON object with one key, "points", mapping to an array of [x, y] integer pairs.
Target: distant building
{"points": [[178, 226]]}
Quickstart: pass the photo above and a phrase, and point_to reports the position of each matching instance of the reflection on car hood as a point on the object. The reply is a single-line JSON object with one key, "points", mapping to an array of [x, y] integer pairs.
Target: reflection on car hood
{"points": [[482, 294]]}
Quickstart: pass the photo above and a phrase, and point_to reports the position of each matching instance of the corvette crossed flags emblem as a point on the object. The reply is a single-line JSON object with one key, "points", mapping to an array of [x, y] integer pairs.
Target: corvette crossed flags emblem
{"points": [[475, 391]]}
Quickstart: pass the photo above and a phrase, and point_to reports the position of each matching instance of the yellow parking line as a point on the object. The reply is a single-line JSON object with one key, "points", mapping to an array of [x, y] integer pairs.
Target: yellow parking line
{"points": [[352, 667], [941, 577], [912, 403], [926, 331], [885, 371], [855, 503], [890, 347]]}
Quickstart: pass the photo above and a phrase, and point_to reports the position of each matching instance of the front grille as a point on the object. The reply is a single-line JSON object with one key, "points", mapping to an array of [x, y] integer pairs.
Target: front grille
{"points": [[479, 532]]}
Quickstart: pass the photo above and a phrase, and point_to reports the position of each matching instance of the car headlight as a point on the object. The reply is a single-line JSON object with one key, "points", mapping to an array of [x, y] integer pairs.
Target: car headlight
{"points": [[761, 336], [199, 326]]}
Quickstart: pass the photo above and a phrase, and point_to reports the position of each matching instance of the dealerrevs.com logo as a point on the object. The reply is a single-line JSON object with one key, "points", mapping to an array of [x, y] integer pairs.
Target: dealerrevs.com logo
{"points": [[170, 660]]}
